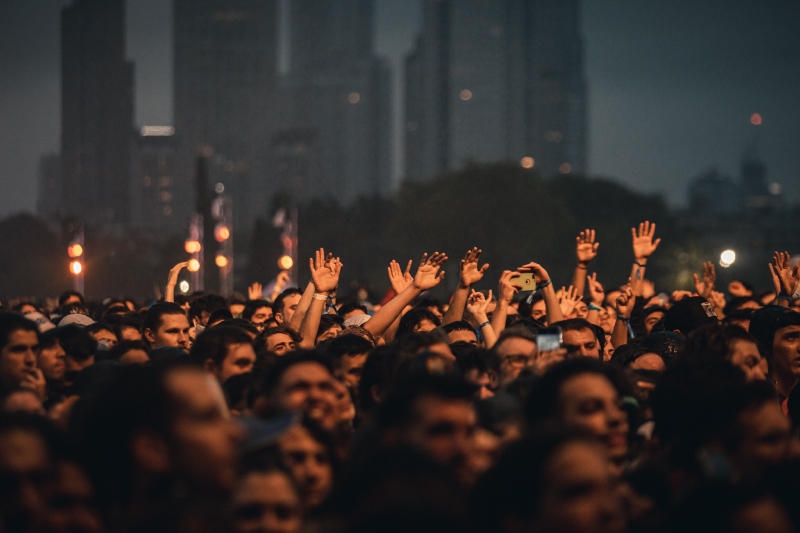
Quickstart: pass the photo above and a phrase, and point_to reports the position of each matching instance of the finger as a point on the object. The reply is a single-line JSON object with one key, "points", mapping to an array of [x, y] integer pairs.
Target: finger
{"points": [[408, 267], [633, 233], [311, 265], [595, 247], [696, 279], [424, 259], [652, 229], [592, 236], [489, 296], [656, 243], [484, 268]]}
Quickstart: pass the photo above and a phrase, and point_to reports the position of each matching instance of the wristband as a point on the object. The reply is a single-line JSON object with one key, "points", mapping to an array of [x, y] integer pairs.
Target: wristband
{"points": [[790, 297], [320, 296], [544, 284], [484, 325], [593, 307], [624, 318], [583, 266], [640, 264]]}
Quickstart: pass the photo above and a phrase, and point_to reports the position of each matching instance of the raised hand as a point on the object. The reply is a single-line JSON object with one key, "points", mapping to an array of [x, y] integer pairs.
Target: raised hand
{"points": [[643, 243], [625, 302], [478, 304], [785, 278], [399, 279], [705, 286], [470, 273], [175, 271], [596, 292], [737, 289], [717, 300], [282, 279], [506, 289], [255, 291], [325, 271], [677, 296], [35, 381], [538, 270], [568, 299], [428, 275], [585, 246]]}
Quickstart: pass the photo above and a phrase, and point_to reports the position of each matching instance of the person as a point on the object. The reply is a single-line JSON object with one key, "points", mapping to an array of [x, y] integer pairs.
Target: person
{"points": [[585, 393], [580, 338], [19, 347], [223, 352], [777, 330], [279, 340], [51, 361], [348, 355], [202, 307], [729, 343], [479, 367], [267, 500], [165, 324], [461, 330], [285, 305], [257, 312], [516, 350]]}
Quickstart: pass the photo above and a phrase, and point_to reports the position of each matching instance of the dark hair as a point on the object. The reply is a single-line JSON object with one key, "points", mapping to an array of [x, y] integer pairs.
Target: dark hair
{"points": [[379, 372], [240, 323], [11, 322], [544, 399], [525, 308], [48, 339], [99, 326], [208, 303], [714, 340], [415, 317], [220, 315], [284, 363], [252, 306], [349, 307], [427, 302], [576, 324], [152, 318], [412, 343], [458, 325], [66, 295], [76, 342], [327, 321], [739, 314], [260, 343], [398, 409], [121, 322], [478, 359], [738, 302], [277, 305], [347, 345], [123, 347], [213, 344]]}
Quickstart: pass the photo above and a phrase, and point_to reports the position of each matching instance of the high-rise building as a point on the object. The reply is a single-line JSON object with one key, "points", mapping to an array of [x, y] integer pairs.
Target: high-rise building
{"points": [[153, 181], [496, 80], [335, 124], [225, 81], [96, 113], [48, 203]]}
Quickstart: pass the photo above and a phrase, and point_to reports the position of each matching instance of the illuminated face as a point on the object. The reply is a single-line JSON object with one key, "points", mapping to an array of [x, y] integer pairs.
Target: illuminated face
{"points": [[239, 360], [310, 464], [280, 344], [745, 355], [173, 331], [289, 307], [309, 387], [18, 357], [581, 342], [261, 315], [786, 353]]}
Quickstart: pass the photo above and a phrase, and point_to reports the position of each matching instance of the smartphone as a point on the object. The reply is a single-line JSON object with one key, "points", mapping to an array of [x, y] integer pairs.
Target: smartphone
{"points": [[526, 280], [548, 339]]}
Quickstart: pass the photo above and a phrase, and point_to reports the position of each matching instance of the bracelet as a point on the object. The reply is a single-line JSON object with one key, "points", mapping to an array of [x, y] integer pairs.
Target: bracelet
{"points": [[583, 267], [484, 325], [593, 307], [320, 296], [544, 284], [640, 264], [624, 318], [790, 297]]}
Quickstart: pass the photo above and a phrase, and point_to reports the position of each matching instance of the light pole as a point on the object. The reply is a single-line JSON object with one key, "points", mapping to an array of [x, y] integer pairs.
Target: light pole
{"points": [[75, 250]]}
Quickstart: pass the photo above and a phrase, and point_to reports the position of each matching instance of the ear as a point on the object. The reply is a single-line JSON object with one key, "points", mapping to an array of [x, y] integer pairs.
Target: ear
{"points": [[278, 318], [375, 392], [493, 378], [150, 451], [210, 366], [149, 335]]}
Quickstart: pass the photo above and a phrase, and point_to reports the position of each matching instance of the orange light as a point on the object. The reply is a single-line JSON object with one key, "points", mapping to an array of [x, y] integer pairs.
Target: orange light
{"points": [[221, 261], [75, 250], [285, 262], [527, 162], [565, 168], [755, 119], [194, 265], [192, 247], [75, 267], [465, 95], [222, 233]]}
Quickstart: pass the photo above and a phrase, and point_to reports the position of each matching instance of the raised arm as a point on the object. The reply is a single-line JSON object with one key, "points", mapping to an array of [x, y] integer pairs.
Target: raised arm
{"points": [[305, 300], [585, 250], [598, 296], [624, 305], [785, 279], [505, 294], [477, 306], [470, 275], [643, 247], [545, 284], [427, 277], [325, 279], [172, 281]]}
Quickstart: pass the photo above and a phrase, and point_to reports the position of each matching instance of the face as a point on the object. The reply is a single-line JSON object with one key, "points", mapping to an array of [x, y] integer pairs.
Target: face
{"points": [[745, 355], [18, 357], [352, 365], [105, 337], [310, 388], [581, 310], [280, 344], [24, 465], [580, 493], [204, 439], [590, 401], [464, 336], [310, 464], [581, 342], [51, 362], [651, 320], [424, 326], [239, 360], [289, 307], [515, 354], [765, 437], [539, 310], [267, 502], [261, 315], [27, 308], [786, 353], [134, 357], [330, 333], [608, 318], [173, 331], [486, 382], [444, 429], [71, 501]]}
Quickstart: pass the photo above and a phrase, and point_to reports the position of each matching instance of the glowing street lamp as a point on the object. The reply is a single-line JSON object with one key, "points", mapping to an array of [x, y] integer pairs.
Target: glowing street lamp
{"points": [[727, 258]]}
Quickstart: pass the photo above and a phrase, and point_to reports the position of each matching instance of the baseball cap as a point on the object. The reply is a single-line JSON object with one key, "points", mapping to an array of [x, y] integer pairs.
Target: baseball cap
{"points": [[689, 314]]}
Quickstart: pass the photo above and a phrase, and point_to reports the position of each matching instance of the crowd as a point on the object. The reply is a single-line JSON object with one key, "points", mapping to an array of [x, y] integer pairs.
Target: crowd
{"points": [[520, 409]]}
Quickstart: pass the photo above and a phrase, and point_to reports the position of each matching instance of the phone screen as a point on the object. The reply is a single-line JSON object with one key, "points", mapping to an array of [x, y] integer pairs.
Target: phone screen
{"points": [[549, 339]]}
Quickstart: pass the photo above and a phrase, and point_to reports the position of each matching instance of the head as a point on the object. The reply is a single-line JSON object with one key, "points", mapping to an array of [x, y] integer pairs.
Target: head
{"points": [[351, 309], [257, 312], [267, 500], [652, 315], [202, 307], [461, 330], [129, 353], [165, 324], [689, 314], [349, 354], [279, 340], [224, 351], [728, 343], [580, 338], [127, 326], [285, 305], [19, 347], [417, 320], [103, 334], [51, 358], [516, 349], [479, 367], [585, 393], [308, 452], [70, 297], [330, 327]]}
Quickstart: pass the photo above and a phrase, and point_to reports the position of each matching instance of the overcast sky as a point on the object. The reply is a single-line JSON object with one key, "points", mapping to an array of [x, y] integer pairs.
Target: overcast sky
{"points": [[672, 85]]}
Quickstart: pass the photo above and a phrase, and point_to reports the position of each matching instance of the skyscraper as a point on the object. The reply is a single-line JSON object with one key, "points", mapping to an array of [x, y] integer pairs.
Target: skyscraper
{"points": [[225, 80], [335, 129], [496, 80], [96, 113]]}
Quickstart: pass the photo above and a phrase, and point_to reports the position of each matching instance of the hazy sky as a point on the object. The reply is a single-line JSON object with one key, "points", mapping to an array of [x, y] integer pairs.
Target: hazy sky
{"points": [[672, 85]]}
